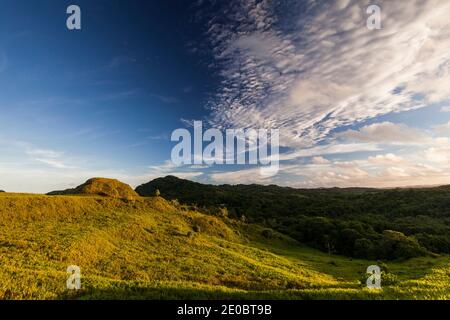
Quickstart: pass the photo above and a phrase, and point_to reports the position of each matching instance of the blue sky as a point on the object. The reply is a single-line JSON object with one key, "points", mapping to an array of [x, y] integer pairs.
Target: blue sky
{"points": [[108, 96], [355, 107]]}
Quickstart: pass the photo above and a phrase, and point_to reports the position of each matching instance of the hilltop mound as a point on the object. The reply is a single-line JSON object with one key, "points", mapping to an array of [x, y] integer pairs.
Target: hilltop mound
{"points": [[103, 187]]}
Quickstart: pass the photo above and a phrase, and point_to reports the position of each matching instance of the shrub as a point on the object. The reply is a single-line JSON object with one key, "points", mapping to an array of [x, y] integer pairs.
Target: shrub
{"points": [[223, 212], [388, 279], [383, 266]]}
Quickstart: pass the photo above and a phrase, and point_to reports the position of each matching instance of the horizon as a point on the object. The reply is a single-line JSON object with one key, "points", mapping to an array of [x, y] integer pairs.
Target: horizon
{"points": [[134, 187], [356, 107]]}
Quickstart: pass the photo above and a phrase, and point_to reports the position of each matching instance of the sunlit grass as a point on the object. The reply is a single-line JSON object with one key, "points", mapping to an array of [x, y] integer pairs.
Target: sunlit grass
{"points": [[150, 249]]}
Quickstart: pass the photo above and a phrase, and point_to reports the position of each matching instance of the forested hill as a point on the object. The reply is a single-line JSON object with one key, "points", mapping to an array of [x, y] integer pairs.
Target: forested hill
{"points": [[361, 222], [260, 201]]}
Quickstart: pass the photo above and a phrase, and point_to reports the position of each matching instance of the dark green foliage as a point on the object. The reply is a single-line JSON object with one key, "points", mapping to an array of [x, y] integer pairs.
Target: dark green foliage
{"points": [[356, 222], [395, 244], [267, 233], [363, 248]]}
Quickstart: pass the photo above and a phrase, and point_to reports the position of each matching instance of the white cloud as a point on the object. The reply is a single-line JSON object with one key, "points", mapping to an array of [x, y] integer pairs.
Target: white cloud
{"points": [[430, 167], [364, 174], [442, 128], [329, 149], [44, 153], [169, 168], [317, 67], [438, 155], [54, 163], [320, 160], [385, 132], [245, 176], [388, 159]]}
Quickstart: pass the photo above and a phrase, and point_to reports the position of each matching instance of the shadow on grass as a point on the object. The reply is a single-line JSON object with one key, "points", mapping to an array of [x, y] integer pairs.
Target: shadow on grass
{"points": [[165, 293], [125, 292]]}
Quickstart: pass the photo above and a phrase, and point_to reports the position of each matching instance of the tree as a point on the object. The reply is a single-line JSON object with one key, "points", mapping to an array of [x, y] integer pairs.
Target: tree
{"points": [[363, 248], [396, 245], [347, 240]]}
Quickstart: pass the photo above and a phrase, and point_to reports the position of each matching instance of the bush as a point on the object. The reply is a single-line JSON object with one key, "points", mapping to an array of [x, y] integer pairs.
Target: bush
{"points": [[223, 212], [388, 279], [383, 266]]}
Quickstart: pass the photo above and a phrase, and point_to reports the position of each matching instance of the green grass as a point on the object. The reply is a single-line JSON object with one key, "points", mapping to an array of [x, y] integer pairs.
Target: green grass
{"points": [[148, 249]]}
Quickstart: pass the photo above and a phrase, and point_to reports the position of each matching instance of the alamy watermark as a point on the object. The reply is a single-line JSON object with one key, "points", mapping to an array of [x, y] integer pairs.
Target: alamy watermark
{"points": [[374, 279], [74, 280], [73, 22], [231, 146], [374, 20]]}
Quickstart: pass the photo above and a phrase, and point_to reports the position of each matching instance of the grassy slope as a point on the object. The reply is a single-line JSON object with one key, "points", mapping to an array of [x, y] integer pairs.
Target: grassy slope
{"points": [[147, 249]]}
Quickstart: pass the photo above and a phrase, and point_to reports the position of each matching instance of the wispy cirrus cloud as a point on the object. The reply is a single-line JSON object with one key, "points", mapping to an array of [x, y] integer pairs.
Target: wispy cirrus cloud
{"points": [[309, 67], [165, 99], [120, 61], [51, 158], [314, 70]]}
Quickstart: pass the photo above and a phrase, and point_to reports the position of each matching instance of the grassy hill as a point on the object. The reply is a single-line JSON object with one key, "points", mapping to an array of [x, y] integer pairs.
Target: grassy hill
{"points": [[149, 248]]}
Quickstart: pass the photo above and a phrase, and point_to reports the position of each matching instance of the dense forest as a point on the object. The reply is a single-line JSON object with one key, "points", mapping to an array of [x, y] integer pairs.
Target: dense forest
{"points": [[355, 222]]}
